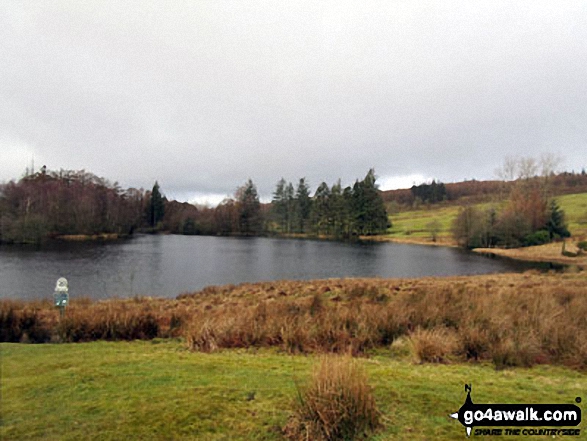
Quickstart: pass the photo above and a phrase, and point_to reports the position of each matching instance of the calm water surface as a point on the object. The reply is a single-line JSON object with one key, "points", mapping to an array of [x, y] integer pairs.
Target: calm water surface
{"points": [[169, 265]]}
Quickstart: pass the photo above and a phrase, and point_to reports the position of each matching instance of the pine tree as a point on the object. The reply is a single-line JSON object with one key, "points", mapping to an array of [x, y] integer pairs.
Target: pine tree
{"points": [[279, 205], [156, 207], [290, 203], [369, 210], [338, 208], [303, 206], [248, 209], [321, 209], [556, 222]]}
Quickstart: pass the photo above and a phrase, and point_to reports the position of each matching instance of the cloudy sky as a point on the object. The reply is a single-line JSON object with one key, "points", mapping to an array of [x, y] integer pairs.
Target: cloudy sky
{"points": [[201, 95]]}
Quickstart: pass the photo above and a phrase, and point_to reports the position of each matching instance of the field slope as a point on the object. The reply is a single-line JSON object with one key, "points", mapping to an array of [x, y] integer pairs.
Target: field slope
{"points": [[160, 391], [417, 225]]}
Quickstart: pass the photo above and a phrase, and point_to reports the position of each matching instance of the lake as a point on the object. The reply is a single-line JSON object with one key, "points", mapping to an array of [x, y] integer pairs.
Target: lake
{"points": [[166, 265]]}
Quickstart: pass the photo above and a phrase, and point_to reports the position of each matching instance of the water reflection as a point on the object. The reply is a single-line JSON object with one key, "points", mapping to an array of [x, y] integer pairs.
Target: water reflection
{"points": [[169, 265]]}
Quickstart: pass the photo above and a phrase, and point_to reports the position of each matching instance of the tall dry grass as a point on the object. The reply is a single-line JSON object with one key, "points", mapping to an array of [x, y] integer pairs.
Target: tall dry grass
{"points": [[513, 320], [85, 320], [24, 322], [337, 404], [510, 319]]}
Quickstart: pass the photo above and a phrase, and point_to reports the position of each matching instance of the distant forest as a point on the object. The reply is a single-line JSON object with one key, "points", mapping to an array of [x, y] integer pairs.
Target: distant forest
{"points": [[474, 191], [49, 204]]}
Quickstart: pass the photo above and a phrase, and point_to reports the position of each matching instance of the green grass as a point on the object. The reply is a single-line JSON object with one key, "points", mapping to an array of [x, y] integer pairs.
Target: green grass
{"points": [[415, 223], [159, 391], [575, 208]]}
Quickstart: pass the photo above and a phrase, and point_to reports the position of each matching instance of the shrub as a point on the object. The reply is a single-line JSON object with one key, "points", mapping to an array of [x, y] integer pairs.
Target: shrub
{"points": [[537, 238], [475, 342], [513, 352], [338, 404], [432, 345], [108, 324], [19, 323], [582, 245]]}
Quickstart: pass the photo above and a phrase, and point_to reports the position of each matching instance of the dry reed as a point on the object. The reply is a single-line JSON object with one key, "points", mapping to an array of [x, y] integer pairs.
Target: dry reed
{"points": [[511, 319], [338, 404]]}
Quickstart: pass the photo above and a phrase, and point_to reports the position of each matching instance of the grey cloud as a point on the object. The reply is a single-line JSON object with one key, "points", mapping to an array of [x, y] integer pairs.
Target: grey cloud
{"points": [[203, 95]]}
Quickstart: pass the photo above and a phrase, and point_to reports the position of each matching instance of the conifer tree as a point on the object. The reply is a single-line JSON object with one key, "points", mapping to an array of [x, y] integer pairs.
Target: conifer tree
{"points": [[156, 207], [279, 205], [321, 209], [303, 206], [248, 209], [556, 222]]}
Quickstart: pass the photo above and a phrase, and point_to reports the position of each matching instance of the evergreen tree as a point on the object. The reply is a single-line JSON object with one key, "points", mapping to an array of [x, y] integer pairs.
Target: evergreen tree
{"points": [[556, 221], [358, 208], [290, 206], [347, 215], [248, 209], [279, 205], [303, 206], [321, 209], [156, 207], [369, 210], [339, 211]]}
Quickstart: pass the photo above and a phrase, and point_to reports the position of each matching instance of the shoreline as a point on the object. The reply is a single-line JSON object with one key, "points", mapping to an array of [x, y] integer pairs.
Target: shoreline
{"points": [[440, 242], [548, 253], [89, 237]]}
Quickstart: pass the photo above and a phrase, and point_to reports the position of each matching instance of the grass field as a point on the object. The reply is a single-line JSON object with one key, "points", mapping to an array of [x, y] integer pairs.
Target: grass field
{"points": [[416, 224], [194, 387], [575, 208], [160, 391]]}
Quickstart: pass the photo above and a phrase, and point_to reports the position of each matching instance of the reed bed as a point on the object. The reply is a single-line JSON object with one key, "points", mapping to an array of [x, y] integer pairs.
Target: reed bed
{"points": [[509, 319]]}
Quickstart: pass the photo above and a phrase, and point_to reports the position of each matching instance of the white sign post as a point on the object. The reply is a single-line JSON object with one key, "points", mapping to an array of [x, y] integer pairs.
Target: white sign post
{"points": [[61, 295]]}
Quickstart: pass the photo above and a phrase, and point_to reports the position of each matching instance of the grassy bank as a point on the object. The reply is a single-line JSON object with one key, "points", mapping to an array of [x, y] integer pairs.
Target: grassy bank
{"points": [[551, 252], [415, 226], [161, 391], [418, 226], [90, 237]]}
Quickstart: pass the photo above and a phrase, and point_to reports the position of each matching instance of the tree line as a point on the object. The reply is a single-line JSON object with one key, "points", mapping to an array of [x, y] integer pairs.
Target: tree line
{"points": [[482, 191], [48, 204], [331, 211], [529, 216]]}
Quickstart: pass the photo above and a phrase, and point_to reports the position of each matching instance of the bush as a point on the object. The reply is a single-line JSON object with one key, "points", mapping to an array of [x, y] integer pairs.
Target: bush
{"points": [[108, 324], [19, 323], [537, 238], [582, 245], [512, 352], [432, 345], [338, 404], [475, 341]]}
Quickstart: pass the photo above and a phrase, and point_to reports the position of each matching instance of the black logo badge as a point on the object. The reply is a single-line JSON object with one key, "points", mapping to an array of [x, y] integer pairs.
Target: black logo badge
{"points": [[471, 415]]}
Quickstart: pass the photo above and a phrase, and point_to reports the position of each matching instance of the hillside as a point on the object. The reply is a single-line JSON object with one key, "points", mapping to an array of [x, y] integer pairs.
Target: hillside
{"points": [[489, 191]]}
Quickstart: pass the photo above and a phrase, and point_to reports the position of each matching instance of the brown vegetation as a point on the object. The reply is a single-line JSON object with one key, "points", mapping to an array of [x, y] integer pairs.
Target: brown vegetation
{"points": [[338, 404], [551, 252], [510, 319], [49, 203]]}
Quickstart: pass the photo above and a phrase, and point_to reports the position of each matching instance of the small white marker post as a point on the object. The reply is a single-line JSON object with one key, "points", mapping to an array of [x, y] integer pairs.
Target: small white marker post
{"points": [[61, 295]]}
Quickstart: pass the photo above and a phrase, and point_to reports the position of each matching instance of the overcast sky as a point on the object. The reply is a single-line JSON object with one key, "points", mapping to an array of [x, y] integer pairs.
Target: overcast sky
{"points": [[202, 95]]}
